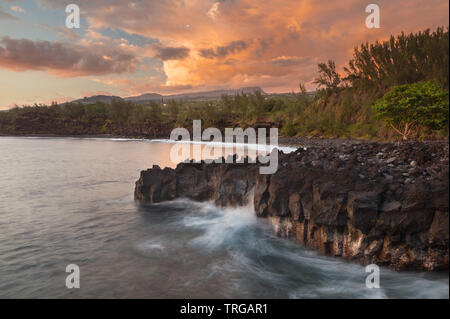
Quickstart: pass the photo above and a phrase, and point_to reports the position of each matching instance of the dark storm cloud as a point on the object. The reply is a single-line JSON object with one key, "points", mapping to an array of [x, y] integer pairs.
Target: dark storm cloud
{"points": [[223, 51], [63, 59], [171, 53]]}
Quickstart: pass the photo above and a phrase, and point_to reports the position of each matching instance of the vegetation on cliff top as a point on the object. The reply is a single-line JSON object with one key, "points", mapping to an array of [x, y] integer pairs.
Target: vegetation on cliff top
{"points": [[343, 106], [410, 107]]}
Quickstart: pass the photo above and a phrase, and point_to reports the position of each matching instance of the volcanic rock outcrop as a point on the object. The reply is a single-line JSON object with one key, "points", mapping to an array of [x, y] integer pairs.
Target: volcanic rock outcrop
{"points": [[374, 203]]}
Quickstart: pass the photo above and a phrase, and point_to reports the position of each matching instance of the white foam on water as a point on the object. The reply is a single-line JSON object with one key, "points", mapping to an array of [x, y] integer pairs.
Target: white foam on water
{"points": [[151, 248], [258, 147], [261, 254], [220, 225]]}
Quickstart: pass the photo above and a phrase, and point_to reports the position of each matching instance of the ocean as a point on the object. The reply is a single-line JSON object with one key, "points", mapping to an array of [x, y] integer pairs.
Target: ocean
{"points": [[70, 201]]}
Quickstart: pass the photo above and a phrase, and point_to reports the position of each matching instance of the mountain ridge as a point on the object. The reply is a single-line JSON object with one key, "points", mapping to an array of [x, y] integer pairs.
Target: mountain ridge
{"points": [[156, 97]]}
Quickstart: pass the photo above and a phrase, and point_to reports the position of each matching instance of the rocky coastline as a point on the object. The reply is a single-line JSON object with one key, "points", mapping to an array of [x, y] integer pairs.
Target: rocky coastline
{"points": [[367, 202]]}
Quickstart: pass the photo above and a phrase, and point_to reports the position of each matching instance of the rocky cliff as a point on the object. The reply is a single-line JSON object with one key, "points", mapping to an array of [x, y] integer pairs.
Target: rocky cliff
{"points": [[373, 203]]}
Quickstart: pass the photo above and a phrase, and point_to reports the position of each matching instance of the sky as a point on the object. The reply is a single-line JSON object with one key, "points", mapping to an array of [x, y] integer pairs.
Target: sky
{"points": [[129, 48]]}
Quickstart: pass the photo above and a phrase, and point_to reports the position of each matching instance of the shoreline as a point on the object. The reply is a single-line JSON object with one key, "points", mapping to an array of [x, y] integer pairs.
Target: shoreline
{"points": [[284, 141]]}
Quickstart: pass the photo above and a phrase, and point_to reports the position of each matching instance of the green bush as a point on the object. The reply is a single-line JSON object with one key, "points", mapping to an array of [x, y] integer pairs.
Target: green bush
{"points": [[410, 107]]}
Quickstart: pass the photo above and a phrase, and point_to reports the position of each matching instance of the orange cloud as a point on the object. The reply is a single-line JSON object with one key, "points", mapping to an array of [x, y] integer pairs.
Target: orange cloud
{"points": [[238, 42], [274, 44]]}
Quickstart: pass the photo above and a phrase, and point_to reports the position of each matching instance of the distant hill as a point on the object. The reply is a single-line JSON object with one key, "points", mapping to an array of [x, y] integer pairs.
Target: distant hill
{"points": [[145, 97], [214, 94], [98, 98], [155, 97]]}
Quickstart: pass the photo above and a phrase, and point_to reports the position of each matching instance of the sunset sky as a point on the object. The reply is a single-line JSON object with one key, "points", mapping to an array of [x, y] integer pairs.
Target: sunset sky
{"points": [[174, 46]]}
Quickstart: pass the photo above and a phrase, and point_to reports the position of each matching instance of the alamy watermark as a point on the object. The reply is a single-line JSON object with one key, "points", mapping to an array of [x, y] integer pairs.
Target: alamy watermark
{"points": [[254, 141], [73, 18], [373, 279], [373, 19], [73, 280]]}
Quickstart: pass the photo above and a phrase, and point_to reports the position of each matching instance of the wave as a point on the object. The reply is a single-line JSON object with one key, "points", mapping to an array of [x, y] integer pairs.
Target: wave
{"points": [[258, 147], [220, 226], [258, 257]]}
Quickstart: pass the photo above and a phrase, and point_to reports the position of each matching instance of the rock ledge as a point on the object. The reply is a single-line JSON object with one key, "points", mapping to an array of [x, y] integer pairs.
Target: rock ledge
{"points": [[374, 203]]}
